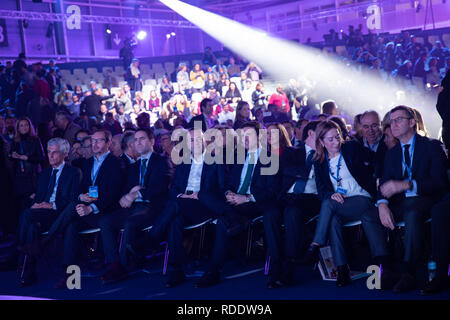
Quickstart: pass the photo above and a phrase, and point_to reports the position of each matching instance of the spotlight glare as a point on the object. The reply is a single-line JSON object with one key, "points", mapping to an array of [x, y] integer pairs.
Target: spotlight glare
{"points": [[141, 35], [343, 84], [168, 36], [173, 34]]}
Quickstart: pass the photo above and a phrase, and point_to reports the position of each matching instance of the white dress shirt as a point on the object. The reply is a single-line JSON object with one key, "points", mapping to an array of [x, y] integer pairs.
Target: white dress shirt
{"points": [[310, 186]]}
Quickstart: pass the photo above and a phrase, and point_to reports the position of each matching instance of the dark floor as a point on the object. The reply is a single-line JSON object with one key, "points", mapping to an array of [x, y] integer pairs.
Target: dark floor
{"points": [[240, 282]]}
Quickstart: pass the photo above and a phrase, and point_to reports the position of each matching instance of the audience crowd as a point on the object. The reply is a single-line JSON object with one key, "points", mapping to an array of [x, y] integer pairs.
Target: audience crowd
{"points": [[73, 159]]}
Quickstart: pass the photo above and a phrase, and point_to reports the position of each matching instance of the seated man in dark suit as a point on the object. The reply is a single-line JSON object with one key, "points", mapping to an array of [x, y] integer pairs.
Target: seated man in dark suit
{"points": [[143, 198], [298, 197], [196, 194], [440, 241], [250, 192], [99, 196], [414, 177], [373, 139], [57, 187], [205, 117]]}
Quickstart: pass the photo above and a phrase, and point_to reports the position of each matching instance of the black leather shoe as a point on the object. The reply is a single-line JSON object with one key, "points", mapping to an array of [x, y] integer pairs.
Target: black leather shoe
{"points": [[388, 279], [115, 273], [311, 256], [28, 280], [288, 276], [275, 284], [176, 278], [209, 279], [343, 276], [435, 286], [407, 283]]}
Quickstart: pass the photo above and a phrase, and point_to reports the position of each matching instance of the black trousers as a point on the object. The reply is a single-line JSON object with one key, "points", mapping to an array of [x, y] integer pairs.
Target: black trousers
{"points": [[179, 214], [70, 224], [414, 212], [32, 223], [239, 214], [440, 227], [298, 209], [140, 215]]}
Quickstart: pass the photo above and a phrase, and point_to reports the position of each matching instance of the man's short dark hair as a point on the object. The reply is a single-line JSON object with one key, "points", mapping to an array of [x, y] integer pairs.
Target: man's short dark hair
{"points": [[106, 133], [204, 103], [82, 131], [148, 132], [312, 125], [252, 124], [64, 114], [328, 106], [298, 125], [409, 111], [126, 139]]}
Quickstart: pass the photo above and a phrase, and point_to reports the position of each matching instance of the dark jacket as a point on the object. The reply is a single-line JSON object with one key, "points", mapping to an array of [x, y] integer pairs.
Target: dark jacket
{"points": [[109, 182], [156, 180], [264, 188], [292, 167], [67, 190], [428, 168], [359, 164], [212, 190]]}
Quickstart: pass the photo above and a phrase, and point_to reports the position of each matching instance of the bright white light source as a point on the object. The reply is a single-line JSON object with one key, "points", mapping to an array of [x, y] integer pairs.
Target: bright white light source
{"points": [[168, 36], [173, 34], [336, 80], [141, 35]]}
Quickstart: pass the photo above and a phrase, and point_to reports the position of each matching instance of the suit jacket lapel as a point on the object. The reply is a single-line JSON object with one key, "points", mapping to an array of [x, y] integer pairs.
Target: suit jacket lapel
{"points": [[417, 155]]}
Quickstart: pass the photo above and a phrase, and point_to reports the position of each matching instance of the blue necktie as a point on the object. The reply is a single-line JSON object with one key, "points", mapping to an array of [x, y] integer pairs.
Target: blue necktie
{"points": [[300, 184], [51, 186]]}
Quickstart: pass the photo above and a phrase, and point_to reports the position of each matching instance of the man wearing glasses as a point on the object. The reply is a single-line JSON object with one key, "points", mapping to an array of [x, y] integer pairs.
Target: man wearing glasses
{"points": [[414, 178], [100, 191]]}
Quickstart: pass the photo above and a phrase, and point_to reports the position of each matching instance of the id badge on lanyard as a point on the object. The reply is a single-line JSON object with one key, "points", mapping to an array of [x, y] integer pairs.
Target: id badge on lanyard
{"points": [[337, 178], [93, 193]]}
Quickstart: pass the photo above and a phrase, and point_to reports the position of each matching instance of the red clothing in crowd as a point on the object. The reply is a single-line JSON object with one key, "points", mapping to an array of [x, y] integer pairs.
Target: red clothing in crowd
{"points": [[281, 100], [42, 88]]}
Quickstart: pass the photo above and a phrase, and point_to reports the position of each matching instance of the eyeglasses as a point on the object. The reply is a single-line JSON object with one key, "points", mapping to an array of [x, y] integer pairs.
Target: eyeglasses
{"points": [[97, 140], [398, 120]]}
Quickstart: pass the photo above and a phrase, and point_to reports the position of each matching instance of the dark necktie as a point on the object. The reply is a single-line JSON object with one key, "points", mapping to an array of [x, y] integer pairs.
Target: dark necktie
{"points": [[407, 161], [300, 184], [248, 175], [51, 185], [143, 170]]}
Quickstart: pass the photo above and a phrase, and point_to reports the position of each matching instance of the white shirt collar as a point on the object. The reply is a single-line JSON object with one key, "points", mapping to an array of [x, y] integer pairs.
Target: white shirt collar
{"points": [[146, 156]]}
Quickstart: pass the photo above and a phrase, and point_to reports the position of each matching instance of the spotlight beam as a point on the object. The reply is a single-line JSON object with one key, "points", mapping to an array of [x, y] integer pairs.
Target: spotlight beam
{"points": [[283, 60]]}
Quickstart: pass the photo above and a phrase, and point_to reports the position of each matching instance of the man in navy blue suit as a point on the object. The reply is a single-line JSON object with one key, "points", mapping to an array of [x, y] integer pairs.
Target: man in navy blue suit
{"points": [[143, 198], [57, 187], [414, 178], [249, 192], [100, 191], [196, 195]]}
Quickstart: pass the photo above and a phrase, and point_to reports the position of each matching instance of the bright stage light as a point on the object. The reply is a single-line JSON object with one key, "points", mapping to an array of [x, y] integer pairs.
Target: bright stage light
{"points": [[173, 34], [168, 36], [141, 35], [283, 59]]}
